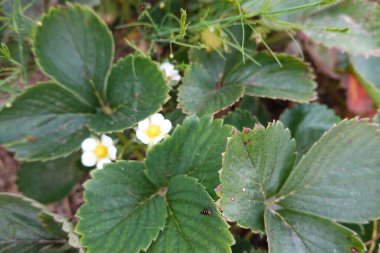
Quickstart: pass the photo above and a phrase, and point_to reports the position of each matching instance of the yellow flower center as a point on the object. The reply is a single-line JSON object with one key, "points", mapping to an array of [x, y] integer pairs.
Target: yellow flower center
{"points": [[153, 131], [101, 151]]}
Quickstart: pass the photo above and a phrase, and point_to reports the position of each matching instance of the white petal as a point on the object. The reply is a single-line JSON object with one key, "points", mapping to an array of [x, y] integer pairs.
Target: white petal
{"points": [[176, 78], [166, 126], [106, 140], [158, 139], [101, 163], [167, 67], [112, 151], [157, 119], [89, 144], [88, 159], [172, 73], [142, 137], [143, 125]]}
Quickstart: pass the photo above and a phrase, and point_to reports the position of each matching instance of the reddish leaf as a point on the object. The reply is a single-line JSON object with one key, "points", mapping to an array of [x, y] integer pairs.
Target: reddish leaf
{"points": [[358, 101]]}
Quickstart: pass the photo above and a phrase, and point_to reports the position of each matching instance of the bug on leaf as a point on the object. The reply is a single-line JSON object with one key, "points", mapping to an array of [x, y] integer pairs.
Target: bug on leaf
{"points": [[206, 212]]}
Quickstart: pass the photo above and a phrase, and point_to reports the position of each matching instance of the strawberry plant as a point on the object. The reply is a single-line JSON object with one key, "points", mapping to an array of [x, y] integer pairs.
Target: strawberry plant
{"points": [[190, 126]]}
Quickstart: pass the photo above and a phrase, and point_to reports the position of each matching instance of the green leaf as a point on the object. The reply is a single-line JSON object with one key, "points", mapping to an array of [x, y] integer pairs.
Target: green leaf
{"points": [[45, 122], [204, 90], [242, 246], [307, 123], [364, 231], [215, 82], [294, 231], [79, 56], [186, 229], [193, 149], [293, 81], [124, 211], [367, 69], [51, 118], [135, 90], [361, 17], [254, 167], [337, 179], [59, 176], [257, 108], [240, 119], [26, 226], [339, 173], [62, 228]]}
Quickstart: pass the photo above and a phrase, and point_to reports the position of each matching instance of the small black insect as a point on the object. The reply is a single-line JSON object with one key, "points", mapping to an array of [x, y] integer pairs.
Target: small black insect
{"points": [[206, 212]]}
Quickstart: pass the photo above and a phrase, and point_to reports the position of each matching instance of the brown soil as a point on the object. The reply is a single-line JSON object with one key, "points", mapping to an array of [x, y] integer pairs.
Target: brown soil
{"points": [[8, 177], [8, 170]]}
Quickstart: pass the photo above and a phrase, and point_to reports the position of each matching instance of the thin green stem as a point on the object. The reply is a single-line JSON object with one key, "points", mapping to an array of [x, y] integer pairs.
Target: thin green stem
{"points": [[122, 138], [374, 236], [242, 27], [17, 23], [267, 46]]}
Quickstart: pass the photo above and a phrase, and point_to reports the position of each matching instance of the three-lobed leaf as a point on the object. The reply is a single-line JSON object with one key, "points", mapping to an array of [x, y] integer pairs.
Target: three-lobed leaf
{"points": [[156, 206], [124, 211], [50, 120], [337, 180]]}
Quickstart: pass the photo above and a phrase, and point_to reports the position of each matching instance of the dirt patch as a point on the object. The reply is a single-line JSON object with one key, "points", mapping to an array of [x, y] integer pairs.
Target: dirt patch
{"points": [[8, 177], [8, 171]]}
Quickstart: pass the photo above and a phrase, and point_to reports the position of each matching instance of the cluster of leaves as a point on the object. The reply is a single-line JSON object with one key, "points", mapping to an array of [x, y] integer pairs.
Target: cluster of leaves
{"points": [[296, 180]]}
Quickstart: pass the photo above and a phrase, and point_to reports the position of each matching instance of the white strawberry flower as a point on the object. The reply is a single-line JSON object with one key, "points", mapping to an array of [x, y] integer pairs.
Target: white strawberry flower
{"points": [[171, 74], [153, 129], [98, 152]]}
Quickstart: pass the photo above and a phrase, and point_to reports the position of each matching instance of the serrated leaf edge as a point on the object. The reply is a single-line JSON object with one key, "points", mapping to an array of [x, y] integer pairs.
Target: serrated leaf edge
{"points": [[54, 10]]}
